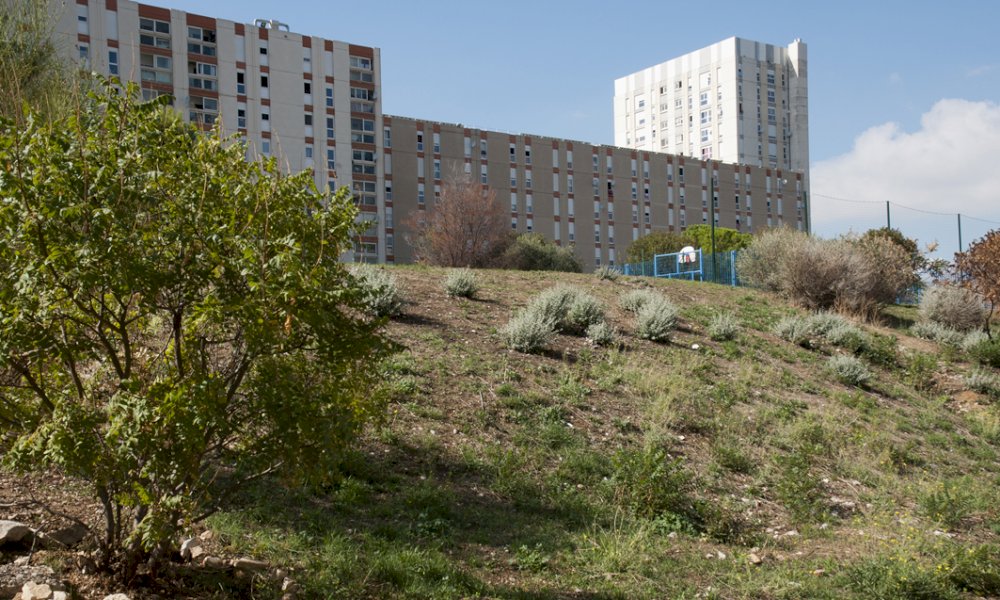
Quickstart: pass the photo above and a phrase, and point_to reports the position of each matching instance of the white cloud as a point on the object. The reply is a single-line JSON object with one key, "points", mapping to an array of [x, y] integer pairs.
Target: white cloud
{"points": [[979, 71], [949, 165], [895, 79]]}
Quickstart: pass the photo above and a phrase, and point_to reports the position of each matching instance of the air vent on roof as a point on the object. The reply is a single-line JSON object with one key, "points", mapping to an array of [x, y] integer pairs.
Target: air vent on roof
{"points": [[271, 24]]}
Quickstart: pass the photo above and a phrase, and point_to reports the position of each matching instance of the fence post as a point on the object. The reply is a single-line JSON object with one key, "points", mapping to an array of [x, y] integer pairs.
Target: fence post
{"points": [[732, 268]]}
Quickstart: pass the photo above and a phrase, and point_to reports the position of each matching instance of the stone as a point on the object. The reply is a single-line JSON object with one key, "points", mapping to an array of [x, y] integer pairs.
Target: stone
{"points": [[206, 535], [249, 564], [69, 536], [13, 577], [60, 596], [116, 597], [819, 572], [191, 549], [12, 532], [36, 591], [214, 562], [755, 559], [720, 555]]}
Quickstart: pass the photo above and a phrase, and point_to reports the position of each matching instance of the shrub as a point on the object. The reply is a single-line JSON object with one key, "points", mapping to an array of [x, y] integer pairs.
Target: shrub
{"points": [[723, 326], [948, 502], [653, 484], [920, 370], [857, 276], [983, 382], [987, 352], [798, 488], [636, 299], [584, 311], [953, 307], [533, 252], [381, 292], [822, 322], [847, 335], [973, 339], [607, 272], [601, 334], [794, 329], [569, 309], [461, 283], [235, 344], [849, 369], [656, 320], [528, 331], [936, 332]]}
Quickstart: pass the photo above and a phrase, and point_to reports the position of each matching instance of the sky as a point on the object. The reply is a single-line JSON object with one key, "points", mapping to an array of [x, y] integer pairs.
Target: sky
{"points": [[904, 96]]}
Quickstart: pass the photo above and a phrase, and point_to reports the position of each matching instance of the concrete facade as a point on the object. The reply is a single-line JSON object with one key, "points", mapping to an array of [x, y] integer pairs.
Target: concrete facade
{"points": [[307, 101], [597, 198], [736, 101]]}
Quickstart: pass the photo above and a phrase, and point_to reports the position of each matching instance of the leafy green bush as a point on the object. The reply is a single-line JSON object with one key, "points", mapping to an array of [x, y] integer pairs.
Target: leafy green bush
{"points": [[920, 370], [987, 352], [636, 299], [949, 502], [652, 484], [656, 320], [601, 334], [381, 291], [461, 283], [798, 488], [723, 326], [533, 252], [528, 331], [207, 331], [953, 307], [849, 369]]}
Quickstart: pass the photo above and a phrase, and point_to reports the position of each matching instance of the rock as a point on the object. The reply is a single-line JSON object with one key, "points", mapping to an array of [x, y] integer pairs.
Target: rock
{"points": [[60, 596], [13, 577], [12, 532], [720, 555], [191, 549], [206, 535], [791, 533], [754, 559], [36, 591], [116, 597], [249, 564], [69, 536], [819, 572], [214, 562]]}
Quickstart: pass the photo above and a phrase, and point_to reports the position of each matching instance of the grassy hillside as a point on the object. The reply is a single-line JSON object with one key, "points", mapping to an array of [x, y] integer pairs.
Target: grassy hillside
{"points": [[737, 469]]}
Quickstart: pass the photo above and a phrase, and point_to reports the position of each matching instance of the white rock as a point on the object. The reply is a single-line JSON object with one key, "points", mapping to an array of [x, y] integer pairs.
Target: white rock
{"points": [[720, 555], [60, 596], [116, 597], [754, 559], [13, 532], [249, 564], [36, 591], [191, 549], [695, 346]]}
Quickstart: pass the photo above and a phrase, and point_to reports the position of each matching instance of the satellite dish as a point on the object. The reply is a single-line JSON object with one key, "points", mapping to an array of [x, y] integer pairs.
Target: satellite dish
{"points": [[687, 255]]}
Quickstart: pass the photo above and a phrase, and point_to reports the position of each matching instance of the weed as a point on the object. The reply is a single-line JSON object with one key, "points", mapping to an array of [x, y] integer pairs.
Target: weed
{"points": [[987, 352], [984, 382], [528, 332], [656, 320], [920, 370], [948, 502], [602, 334], [381, 291], [532, 559], [461, 283], [936, 332], [633, 301], [798, 488], [723, 326], [607, 273], [795, 330], [849, 369]]}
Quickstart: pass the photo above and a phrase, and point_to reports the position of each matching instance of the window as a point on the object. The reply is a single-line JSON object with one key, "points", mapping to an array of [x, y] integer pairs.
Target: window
{"points": [[203, 110], [362, 76], [569, 159], [420, 193], [309, 153], [388, 209], [263, 81], [265, 120], [482, 148], [437, 143], [387, 137], [241, 83], [569, 184], [420, 142], [363, 162], [513, 177], [329, 97], [527, 155], [306, 87], [201, 41], [596, 183], [437, 169], [155, 68], [331, 162], [358, 62], [202, 76], [265, 147], [112, 60], [482, 174], [154, 33], [241, 115], [307, 121], [513, 202], [527, 180], [329, 128], [363, 131], [84, 52]]}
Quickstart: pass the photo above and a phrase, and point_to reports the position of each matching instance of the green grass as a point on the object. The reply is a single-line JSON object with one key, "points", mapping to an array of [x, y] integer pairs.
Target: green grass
{"points": [[614, 472]]}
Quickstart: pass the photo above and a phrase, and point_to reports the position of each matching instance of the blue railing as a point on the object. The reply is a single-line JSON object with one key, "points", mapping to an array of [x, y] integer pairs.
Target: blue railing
{"points": [[694, 266]]}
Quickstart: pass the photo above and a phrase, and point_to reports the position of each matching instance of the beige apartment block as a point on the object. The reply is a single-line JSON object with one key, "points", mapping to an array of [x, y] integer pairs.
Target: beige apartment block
{"points": [[309, 102], [737, 101], [595, 198]]}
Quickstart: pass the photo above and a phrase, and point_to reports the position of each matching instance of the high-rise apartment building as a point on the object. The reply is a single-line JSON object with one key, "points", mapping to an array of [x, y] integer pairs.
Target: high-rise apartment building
{"points": [[315, 103], [309, 102], [736, 101]]}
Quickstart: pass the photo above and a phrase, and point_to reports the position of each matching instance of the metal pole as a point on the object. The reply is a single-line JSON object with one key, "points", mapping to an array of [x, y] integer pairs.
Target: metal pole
{"points": [[959, 232], [711, 196], [888, 221], [805, 207]]}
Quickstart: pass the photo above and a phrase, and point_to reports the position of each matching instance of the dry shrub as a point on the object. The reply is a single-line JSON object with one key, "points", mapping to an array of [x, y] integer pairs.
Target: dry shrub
{"points": [[857, 276], [959, 308]]}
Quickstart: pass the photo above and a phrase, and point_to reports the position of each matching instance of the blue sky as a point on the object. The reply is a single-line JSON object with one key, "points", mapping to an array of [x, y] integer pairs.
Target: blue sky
{"points": [[878, 72]]}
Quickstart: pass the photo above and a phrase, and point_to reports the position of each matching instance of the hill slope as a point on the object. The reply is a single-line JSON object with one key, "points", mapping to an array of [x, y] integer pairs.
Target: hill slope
{"points": [[738, 469]]}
